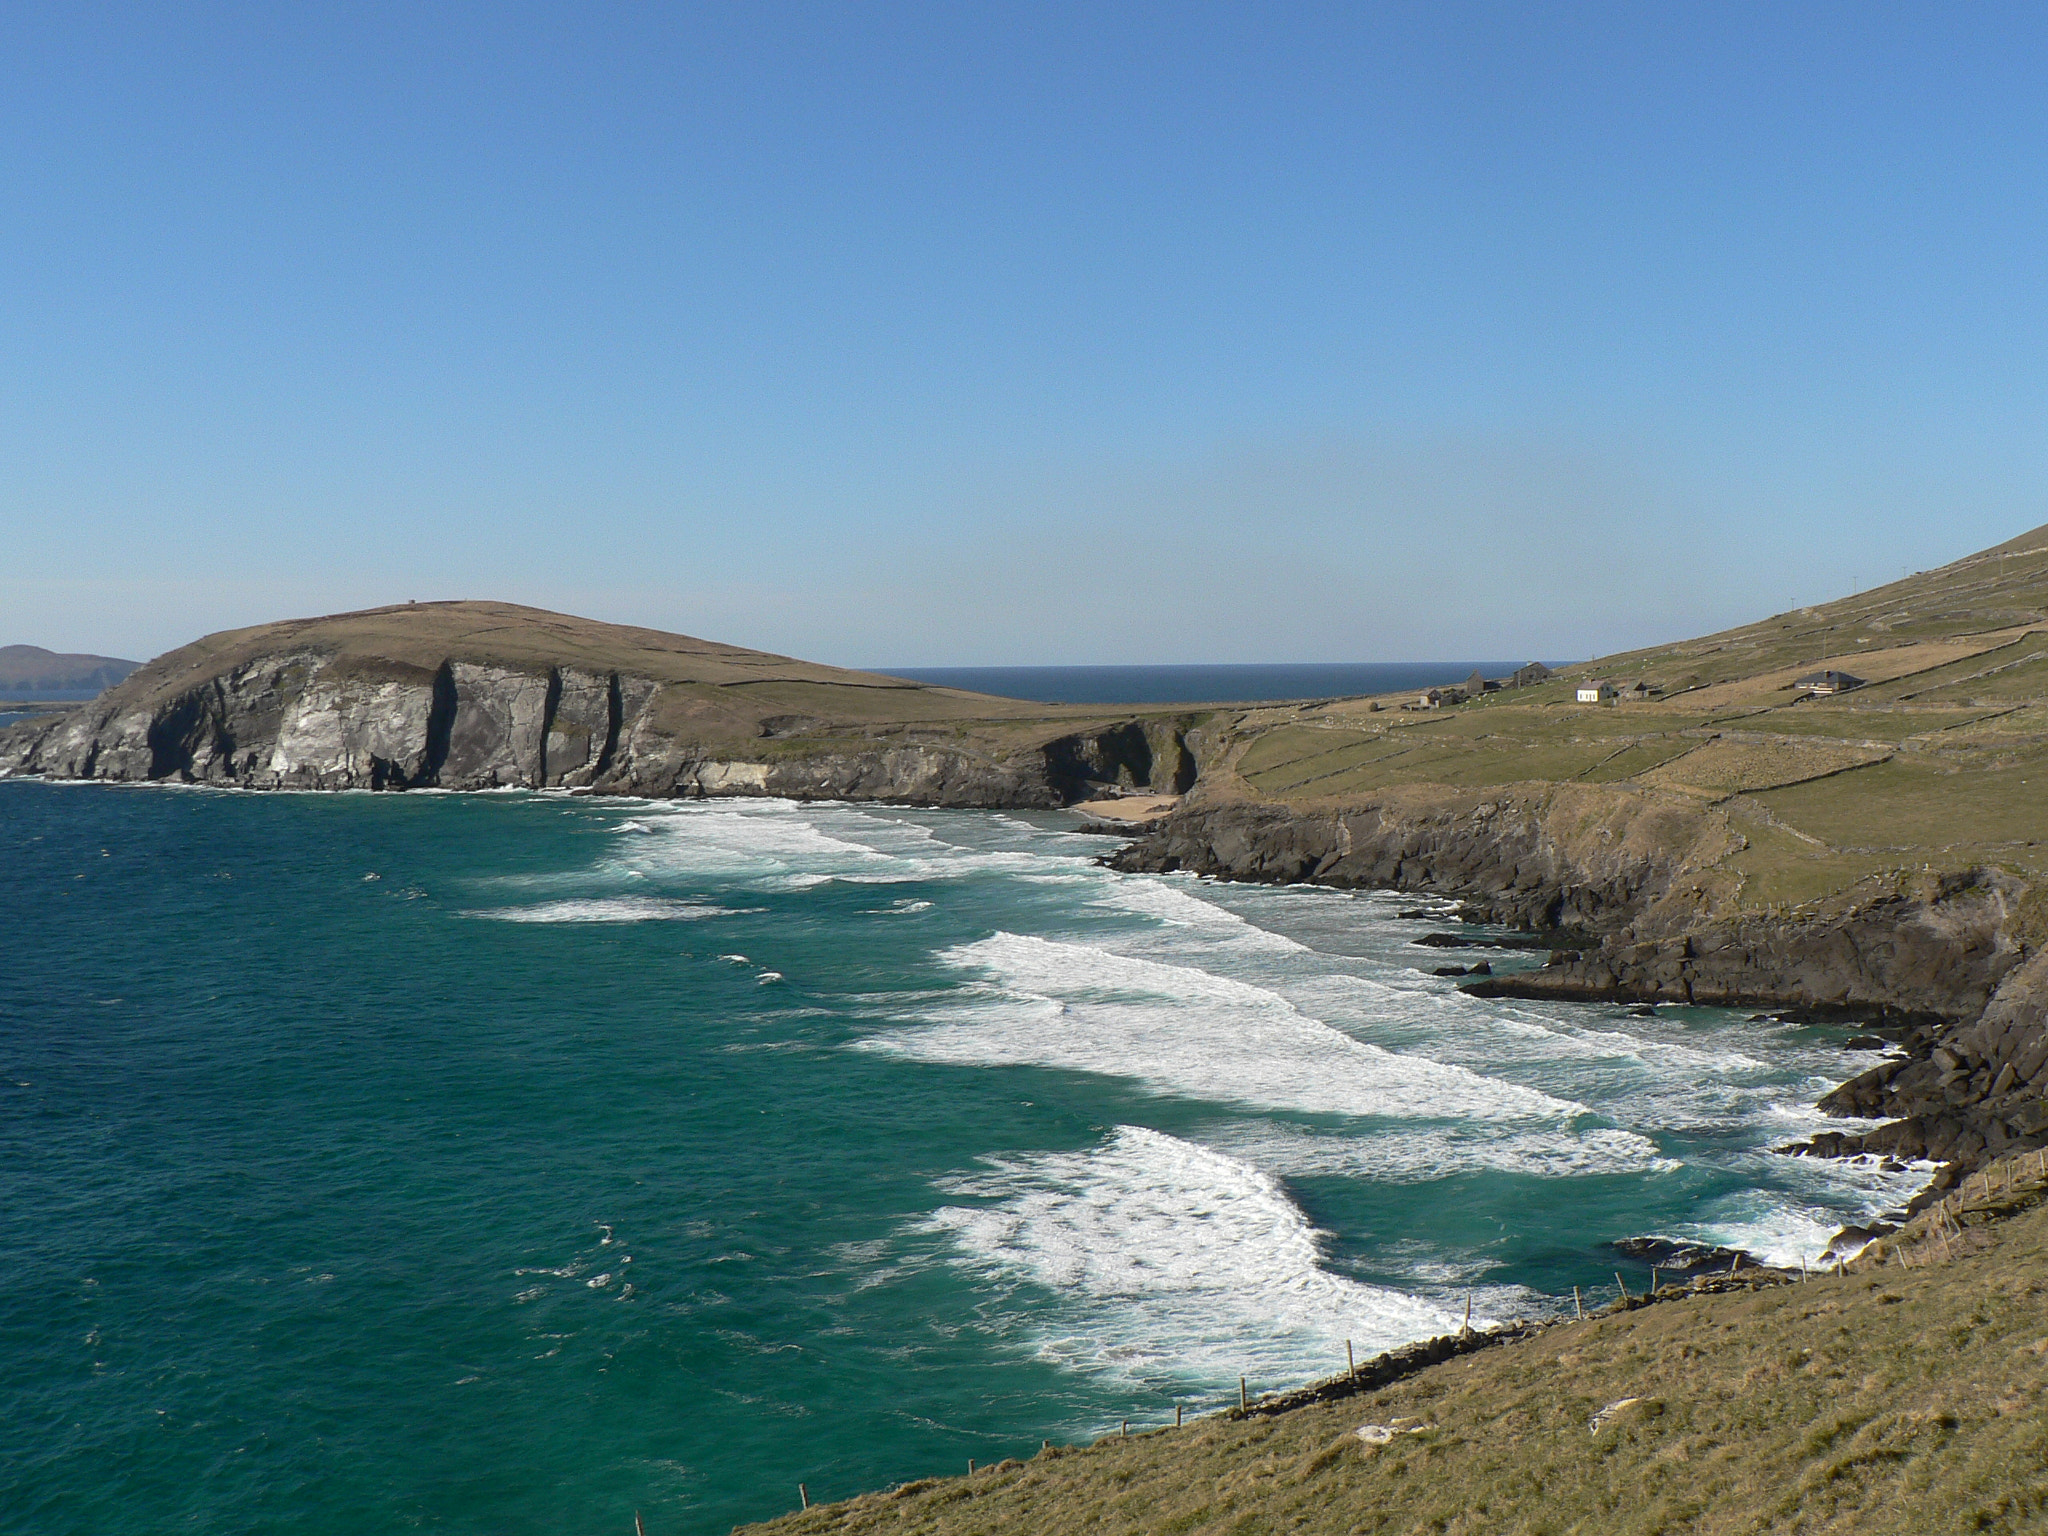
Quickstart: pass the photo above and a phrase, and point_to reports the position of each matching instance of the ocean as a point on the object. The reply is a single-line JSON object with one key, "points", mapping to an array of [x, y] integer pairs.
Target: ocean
{"points": [[1238, 684], [515, 1162]]}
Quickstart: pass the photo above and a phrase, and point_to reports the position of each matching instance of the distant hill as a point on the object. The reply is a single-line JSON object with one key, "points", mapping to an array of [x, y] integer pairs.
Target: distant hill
{"points": [[29, 669]]}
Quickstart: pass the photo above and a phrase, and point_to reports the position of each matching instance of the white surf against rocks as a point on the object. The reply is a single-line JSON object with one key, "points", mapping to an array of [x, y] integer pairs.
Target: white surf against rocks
{"points": [[1172, 1263], [1792, 1226], [1186, 1032]]}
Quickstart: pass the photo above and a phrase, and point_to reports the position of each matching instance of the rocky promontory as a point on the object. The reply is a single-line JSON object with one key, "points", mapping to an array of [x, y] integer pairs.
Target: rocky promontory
{"points": [[480, 695]]}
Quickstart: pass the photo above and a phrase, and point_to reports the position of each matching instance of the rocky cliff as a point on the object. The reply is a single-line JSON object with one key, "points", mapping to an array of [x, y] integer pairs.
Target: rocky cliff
{"points": [[1629, 888], [484, 695]]}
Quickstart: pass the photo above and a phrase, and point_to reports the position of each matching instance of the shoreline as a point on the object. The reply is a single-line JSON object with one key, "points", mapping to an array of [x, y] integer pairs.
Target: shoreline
{"points": [[1579, 1410], [1928, 958]]}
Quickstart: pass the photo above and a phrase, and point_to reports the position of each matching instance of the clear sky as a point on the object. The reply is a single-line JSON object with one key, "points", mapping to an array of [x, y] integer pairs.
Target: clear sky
{"points": [[979, 333]]}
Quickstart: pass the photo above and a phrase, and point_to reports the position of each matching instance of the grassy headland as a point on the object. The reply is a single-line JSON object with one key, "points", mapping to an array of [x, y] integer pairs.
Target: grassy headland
{"points": [[1939, 760]]}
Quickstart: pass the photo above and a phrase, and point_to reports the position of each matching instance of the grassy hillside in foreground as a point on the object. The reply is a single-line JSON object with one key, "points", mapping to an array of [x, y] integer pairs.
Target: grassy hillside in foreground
{"points": [[1940, 759], [1894, 1399]]}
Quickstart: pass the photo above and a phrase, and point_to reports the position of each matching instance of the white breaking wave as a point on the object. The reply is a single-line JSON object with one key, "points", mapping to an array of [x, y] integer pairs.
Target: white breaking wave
{"points": [[765, 841], [788, 845], [1173, 1262], [1649, 1075], [1183, 1031], [1418, 1154], [1180, 988], [1169, 904], [608, 909]]}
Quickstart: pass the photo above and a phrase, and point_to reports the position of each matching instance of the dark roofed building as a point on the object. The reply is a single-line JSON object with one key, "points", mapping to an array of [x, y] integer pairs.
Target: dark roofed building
{"points": [[1527, 677], [1477, 683]]}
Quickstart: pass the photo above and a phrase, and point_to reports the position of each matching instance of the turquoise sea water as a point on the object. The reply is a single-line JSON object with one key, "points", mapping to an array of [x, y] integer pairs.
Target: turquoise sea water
{"points": [[511, 1162]]}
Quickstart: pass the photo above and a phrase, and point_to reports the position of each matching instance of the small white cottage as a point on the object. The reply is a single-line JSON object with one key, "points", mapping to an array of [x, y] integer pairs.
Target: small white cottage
{"points": [[1829, 681]]}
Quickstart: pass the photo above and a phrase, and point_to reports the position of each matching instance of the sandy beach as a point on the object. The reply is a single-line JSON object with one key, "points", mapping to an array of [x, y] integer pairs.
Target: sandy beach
{"points": [[1128, 807]]}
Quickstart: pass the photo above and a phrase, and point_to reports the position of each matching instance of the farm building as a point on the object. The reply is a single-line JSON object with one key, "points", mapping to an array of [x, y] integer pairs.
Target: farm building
{"points": [[1828, 681]]}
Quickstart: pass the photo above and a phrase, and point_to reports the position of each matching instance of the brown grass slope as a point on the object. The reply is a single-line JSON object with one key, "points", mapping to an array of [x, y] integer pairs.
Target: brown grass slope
{"points": [[1908, 1397]]}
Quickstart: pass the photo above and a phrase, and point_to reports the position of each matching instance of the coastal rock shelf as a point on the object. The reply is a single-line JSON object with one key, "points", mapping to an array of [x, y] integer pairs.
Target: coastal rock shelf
{"points": [[1938, 962]]}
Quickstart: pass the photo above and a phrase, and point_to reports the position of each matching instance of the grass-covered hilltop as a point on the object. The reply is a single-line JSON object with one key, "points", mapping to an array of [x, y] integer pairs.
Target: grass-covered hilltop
{"points": [[1937, 758]]}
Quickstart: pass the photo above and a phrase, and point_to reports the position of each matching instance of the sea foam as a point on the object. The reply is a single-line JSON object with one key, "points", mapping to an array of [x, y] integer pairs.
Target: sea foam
{"points": [[1172, 1262], [1202, 920], [1187, 1032], [605, 909], [786, 845]]}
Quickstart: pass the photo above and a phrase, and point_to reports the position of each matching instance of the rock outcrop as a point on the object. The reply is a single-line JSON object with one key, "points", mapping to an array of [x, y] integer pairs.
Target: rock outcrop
{"points": [[1537, 856], [481, 696], [1625, 883]]}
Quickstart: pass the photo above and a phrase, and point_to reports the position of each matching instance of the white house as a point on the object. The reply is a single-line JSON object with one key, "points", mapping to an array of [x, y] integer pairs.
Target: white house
{"points": [[1596, 693], [1829, 681]]}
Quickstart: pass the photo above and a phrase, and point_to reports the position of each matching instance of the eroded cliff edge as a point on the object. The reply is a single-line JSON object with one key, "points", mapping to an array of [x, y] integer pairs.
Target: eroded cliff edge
{"points": [[1638, 897], [488, 695]]}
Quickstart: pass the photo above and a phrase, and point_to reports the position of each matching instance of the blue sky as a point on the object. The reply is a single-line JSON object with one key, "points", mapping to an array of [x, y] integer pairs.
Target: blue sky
{"points": [[979, 334]]}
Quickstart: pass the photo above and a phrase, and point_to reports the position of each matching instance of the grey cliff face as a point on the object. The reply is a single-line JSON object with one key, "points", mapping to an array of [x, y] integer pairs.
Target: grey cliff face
{"points": [[304, 720]]}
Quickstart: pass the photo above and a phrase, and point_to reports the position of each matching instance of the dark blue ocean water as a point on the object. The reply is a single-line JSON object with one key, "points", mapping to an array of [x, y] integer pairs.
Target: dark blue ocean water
{"points": [[511, 1162], [1245, 684]]}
